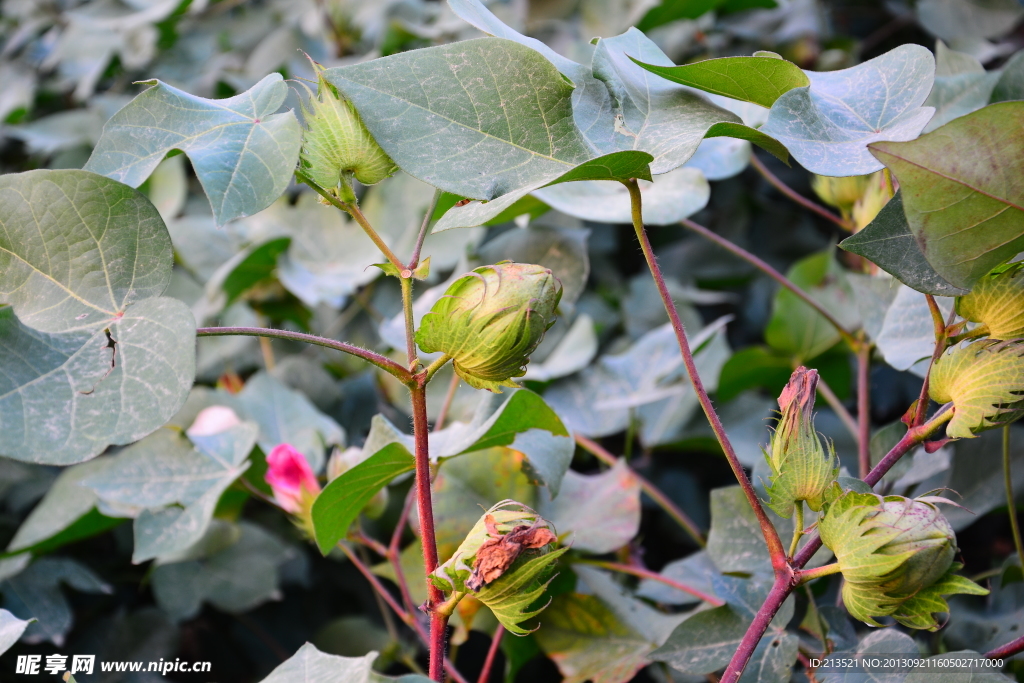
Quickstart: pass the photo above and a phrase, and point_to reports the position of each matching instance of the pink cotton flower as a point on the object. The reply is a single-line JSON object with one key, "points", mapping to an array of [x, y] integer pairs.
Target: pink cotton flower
{"points": [[291, 479]]}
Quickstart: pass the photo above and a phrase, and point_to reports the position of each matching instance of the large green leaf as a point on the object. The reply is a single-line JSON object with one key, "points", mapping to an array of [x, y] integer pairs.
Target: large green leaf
{"points": [[171, 486], [340, 502], [479, 118], [90, 355], [828, 125], [242, 151], [888, 243], [760, 79], [36, 592], [602, 511], [961, 189], [705, 642], [796, 328], [961, 86], [1011, 81]]}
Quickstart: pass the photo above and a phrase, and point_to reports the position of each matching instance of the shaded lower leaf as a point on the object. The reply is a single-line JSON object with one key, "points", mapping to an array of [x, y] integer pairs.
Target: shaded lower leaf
{"points": [[705, 642], [64, 397], [11, 628], [888, 243]]}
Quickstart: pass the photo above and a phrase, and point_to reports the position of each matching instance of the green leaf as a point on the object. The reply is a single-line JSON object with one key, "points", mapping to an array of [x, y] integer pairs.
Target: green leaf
{"points": [[499, 121], [672, 197], [796, 328], [522, 422], [242, 151], [754, 367], [604, 636], [968, 21], [82, 260], [705, 642], [907, 337], [309, 665], [695, 570], [340, 502], [1011, 81], [961, 86], [235, 574], [36, 592], [65, 502], [888, 243], [602, 511], [288, 416], [673, 10], [977, 476], [756, 79], [919, 610], [11, 628], [828, 125], [259, 265], [614, 166], [773, 659], [172, 487], [959, 196]]}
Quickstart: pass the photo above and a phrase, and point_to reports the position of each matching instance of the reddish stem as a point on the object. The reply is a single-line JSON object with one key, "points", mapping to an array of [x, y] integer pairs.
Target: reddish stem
{"points": [[940, 346], [380, 361], [438, 622], [654, 576], [492, 652], [784, 584], [795, 196], [864, 409], [765, 268], [1010, 649], [771, 536]]}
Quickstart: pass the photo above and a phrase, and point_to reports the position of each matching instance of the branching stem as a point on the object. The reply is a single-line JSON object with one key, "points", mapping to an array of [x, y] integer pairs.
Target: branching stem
{"points": [[655, 576], [765, 268], [382, 362], [771, 536]]}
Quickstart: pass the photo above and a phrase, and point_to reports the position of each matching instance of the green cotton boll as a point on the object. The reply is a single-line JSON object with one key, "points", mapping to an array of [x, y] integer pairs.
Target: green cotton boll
{"points": [[985, 382], [490, 321], [896, 555], [997, 302], [801, 470], [336, 142]]}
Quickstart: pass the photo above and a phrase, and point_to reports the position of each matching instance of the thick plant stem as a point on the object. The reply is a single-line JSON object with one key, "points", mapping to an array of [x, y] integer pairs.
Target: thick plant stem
{"points": [[771, 536], [492, 653], [655, 576], [790, 577], [1010, 649], [438, 622], [864, 409], [1011, 503], [380, 361], [784, 584], [655, 494], [798, 527], [763, 266], [795, 196]]}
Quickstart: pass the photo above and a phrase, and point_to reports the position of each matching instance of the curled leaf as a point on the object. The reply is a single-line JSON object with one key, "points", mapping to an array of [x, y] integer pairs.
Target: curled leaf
{"points": [[985, 382], [997, 301]]}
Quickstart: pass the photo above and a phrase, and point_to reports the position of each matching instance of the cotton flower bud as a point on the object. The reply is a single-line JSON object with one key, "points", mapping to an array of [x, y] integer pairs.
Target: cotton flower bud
{"points": [[985, 382], [293, 483], [896, 556], [876, 195], [997, 301], [801, 470], [490, 321], [842, 193], [336, 143]]}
